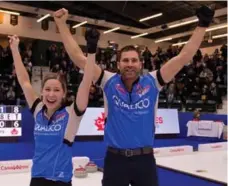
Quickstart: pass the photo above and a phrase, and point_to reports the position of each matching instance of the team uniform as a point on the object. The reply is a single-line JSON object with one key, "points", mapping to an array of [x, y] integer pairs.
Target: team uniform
{"points": [[130, 129], [54, 137]]}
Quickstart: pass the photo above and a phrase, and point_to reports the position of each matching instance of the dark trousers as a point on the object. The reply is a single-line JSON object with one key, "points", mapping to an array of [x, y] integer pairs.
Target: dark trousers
{"points": [[136, 170], [45, 182]]}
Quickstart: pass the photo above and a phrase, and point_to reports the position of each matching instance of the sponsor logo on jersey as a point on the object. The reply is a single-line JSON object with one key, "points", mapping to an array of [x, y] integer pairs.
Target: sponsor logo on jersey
{"points": [[61, 175], [59, 118], [60, 115], [120, 89], [142, 104], [48, 128], [142, 91]]}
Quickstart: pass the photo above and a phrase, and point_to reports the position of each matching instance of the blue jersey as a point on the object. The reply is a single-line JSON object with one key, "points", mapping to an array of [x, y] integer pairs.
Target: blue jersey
{"points": [[53, 141], [130, 115]]}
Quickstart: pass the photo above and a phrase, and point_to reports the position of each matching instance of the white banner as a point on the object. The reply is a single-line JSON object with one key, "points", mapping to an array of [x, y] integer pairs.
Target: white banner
{"points": [[19, 166], [173, 151], [15, 166], [10, 132], [92, 123], [205, 128], [167, 121], [212, 146]]}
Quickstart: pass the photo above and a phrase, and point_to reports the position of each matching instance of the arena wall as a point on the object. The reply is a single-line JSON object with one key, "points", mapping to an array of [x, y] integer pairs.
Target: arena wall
{"points": [[28, 27]]}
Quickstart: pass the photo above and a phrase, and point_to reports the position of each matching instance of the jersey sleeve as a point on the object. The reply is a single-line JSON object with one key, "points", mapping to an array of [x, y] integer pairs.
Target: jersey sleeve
{"points": [[104, 77], [159, 82], [36, 107], [75, 117]]}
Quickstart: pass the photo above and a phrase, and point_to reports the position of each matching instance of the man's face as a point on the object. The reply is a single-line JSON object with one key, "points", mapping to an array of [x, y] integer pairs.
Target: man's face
{"points": [[130, 65]]}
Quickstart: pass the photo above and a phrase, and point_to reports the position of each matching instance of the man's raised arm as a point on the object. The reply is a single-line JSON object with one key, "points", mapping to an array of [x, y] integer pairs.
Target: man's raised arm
{"points": [[174, 65], [73, 49]]}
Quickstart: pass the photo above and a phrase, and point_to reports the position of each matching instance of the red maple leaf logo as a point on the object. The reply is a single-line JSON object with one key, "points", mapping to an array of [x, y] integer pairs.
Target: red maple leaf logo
{"points": [[14, 132], [100, 122]]}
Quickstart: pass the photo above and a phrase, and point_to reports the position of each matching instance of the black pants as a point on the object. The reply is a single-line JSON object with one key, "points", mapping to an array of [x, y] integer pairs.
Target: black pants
{"points": [[137, 170], [45, 182]]}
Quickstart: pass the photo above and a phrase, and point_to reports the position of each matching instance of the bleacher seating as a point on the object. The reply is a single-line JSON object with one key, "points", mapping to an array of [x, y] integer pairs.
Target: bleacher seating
{"points": [[186, 94]]}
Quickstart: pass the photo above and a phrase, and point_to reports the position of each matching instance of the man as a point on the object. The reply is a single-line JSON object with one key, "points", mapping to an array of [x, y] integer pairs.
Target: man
{"points": [[147, 59], [130, 104]]}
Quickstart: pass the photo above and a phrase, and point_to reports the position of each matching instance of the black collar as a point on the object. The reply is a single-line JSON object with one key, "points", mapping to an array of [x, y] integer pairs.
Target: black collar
{"points": [[60, 108], [44, 109]]}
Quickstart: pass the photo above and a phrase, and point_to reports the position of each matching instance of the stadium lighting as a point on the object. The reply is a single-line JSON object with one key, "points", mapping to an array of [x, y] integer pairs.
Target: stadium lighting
{"points": [[80, 24], [150, 17], [10, 12], [140, 35], [43, 17]]}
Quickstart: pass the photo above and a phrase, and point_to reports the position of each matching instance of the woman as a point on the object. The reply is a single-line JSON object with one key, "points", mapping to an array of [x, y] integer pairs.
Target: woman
{"points": [[55, 124]]}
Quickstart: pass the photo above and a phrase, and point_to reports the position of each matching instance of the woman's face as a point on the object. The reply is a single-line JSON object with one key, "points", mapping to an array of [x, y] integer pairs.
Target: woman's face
{"points": [[53, 94]]}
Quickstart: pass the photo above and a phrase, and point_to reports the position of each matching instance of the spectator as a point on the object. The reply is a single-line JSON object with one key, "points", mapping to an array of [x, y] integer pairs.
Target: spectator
{"points": [[175, 51], [56, 68], [54, 56], [198, 56], [6, 60], [157, 62], [147, 59], [4, 88], [207, 74], [182, 91], [64, 67], [196, 115], [10, 94], [203, 75], [204, 93], [197, 85], [113, 60], [215, 94], [29, 51], [223, 50], [48, 56], [70, 99], [2, 93], [94, 97], [64, 56], [171, 93], [216, 52], [170, 52]]}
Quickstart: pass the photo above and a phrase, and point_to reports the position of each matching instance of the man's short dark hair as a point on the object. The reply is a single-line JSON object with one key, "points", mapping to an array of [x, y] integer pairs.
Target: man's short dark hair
{"points": [[129, 48]]}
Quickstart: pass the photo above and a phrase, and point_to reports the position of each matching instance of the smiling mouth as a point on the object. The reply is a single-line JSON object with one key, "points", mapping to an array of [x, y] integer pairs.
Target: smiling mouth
{"points": [[129, 71], [51, 101]]}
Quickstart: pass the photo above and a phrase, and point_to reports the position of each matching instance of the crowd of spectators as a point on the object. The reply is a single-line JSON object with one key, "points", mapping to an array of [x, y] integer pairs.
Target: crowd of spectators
{"points": [[204, 78], [59, 62], [11, 92]]}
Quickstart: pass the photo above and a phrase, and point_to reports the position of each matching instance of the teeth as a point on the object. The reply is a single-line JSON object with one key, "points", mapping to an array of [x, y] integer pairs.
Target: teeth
{"points": [[52, 101]]}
